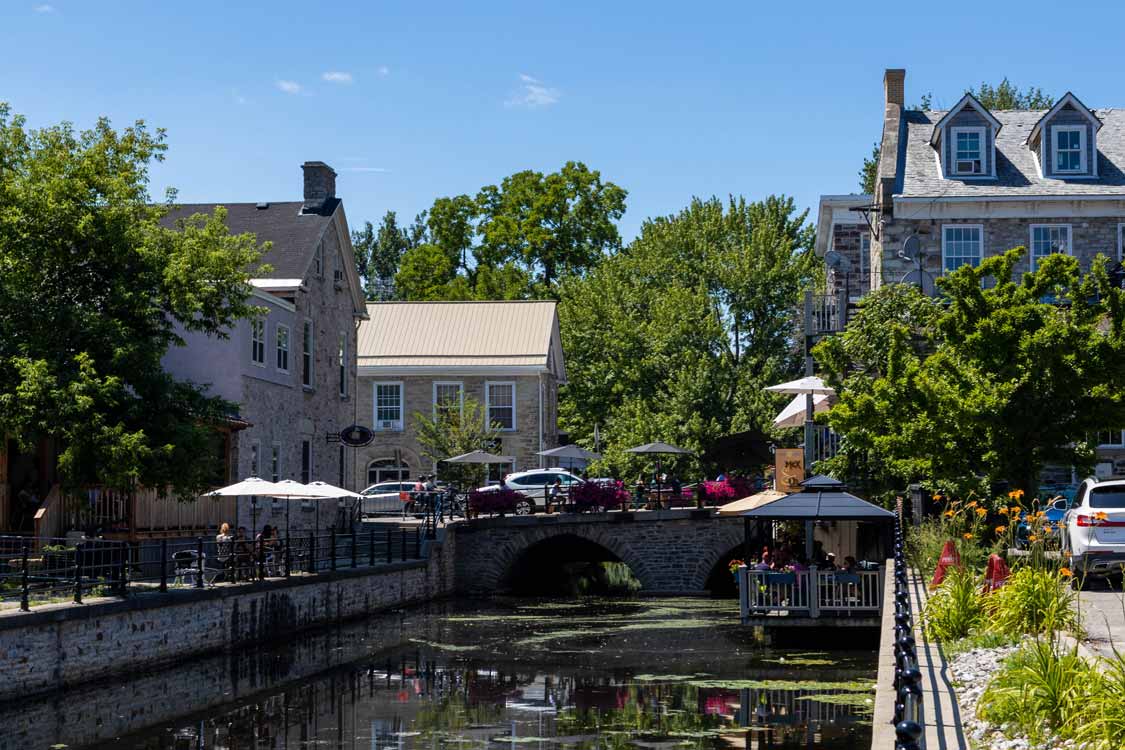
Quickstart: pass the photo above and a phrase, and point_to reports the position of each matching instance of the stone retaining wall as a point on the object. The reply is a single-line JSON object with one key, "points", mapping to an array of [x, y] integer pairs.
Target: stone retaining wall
{"points": [[59, 646]]}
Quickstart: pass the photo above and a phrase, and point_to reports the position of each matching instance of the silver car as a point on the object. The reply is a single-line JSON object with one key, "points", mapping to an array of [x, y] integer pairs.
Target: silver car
{"points": [[384, 498]]}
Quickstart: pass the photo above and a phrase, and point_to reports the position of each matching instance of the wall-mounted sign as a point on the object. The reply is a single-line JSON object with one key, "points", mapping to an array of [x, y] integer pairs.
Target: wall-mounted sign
{"points": [[356, 436], [790, 468]]}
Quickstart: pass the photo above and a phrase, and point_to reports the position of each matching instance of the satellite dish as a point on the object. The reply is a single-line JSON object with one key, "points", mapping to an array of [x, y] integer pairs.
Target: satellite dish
{"points": [[922, 279], [838, 262], [911, 248]]}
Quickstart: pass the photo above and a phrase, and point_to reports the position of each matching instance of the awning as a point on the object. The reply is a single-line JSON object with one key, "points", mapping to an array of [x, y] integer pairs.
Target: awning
{"points": [[824, 505], [738, 507]]}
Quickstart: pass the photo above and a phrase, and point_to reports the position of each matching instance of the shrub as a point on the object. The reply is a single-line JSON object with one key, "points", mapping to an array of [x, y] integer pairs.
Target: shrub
{"points": [[734, 488], [1032, 601], [956, 608], [1104, 720], [591, 496], [1042, 687], [501, 500]]}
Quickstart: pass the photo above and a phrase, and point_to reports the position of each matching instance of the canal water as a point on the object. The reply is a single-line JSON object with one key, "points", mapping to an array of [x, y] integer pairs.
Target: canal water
{"points": [[502, 674]]}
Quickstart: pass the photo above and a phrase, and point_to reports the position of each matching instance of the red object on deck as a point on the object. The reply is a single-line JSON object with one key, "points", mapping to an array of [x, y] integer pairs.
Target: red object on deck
{"points": [[949, 556], [996, 573]]}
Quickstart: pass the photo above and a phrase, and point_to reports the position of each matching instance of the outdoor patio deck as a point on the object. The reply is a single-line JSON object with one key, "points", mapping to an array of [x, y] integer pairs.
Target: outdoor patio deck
{"points": [[810, 598]]}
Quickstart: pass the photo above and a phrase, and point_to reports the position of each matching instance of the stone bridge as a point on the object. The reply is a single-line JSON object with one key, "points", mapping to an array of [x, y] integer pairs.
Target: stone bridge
{"points": [[670, 551]]}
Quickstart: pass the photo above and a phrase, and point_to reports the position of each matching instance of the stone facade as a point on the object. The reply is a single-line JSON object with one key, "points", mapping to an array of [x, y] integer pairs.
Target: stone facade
{"points": [[532, 432], [669, 552]]}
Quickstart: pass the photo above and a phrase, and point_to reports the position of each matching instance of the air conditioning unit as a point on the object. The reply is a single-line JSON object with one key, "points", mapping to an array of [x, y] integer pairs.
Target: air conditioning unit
{"points": [[388, 424], [969, 166], [338, 278]]}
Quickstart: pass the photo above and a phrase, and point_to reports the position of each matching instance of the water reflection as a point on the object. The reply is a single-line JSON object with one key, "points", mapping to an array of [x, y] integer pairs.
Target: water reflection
{"points": [[652, 674]]}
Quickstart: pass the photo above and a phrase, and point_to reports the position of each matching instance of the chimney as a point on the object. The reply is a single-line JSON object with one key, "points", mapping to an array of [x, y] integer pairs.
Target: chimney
{"points": [[320, 185], [894, 86]]}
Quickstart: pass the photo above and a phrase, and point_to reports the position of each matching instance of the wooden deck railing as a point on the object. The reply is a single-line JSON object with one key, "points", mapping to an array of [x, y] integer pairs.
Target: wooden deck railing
{"points": [[809, 593]]}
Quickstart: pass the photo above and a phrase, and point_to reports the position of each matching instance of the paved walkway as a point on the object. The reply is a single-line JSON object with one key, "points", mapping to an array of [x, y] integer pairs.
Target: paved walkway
{"points": [[1103, 618]]}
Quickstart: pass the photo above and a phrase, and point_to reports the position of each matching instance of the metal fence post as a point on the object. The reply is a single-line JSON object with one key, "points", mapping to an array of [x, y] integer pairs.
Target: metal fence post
{"points": [[164, 565], [404, 544], [261, 553], [312, 552], [78, 573], [199, 562], [25, 603], [123, 569], [371, 548], [417, 542], [332, 564], [286, 553], [353, 548]]}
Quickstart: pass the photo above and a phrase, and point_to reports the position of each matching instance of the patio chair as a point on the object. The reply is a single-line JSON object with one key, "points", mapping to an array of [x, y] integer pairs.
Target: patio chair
{"points": [[186, 564]]}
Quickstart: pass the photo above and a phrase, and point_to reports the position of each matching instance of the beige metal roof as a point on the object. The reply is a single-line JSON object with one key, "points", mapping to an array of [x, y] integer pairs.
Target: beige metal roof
{"points": [[461, 334]]}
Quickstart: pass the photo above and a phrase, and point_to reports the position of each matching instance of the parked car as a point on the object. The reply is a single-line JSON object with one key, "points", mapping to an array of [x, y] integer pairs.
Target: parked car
{"points": [[383, 498], [1053, 513], [534, 485], [1094, 540]]}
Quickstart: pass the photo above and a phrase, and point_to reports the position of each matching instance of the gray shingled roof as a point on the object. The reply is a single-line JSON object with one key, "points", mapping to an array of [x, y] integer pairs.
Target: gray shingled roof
{"points": [[293, 234], [1017, 174]]}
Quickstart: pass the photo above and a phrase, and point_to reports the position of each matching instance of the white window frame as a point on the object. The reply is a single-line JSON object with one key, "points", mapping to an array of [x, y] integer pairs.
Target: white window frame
{"points": [[461, 394], [307, 444], [488, 404], [398, 424], [277, 348], [275, 462], [944, 241], [864, 252], [1034, 259], [1120, 439], [1083, 167], [982, 133], [258, 339], [308, 354], [342, 356], [255, 458]]}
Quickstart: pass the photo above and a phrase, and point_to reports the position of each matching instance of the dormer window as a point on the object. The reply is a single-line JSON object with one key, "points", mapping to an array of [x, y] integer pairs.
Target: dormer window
{"points": [[968, 150], [1070, 148]]}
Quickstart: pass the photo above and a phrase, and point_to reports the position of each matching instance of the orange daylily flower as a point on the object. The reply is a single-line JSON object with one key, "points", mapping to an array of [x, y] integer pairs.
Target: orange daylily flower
{"points": [[949, 514], [1001, 529], [971, 504], [982, 512], [1065, 572], [1101, 515], [1032, 538], [1003, 511], [967, 535]]}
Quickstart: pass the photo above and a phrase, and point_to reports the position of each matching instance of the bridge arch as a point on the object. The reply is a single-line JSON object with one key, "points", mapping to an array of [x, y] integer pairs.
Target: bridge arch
{"points": [[667, 551]]}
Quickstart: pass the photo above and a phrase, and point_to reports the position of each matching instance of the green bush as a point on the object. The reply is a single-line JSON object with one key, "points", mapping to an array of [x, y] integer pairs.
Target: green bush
{"points": [[956, 608], [1042, 688], [1032, 601], [1103, 721]]}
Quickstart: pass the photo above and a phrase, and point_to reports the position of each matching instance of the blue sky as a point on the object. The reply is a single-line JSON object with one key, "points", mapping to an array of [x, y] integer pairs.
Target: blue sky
{"points": [[411, 101]]}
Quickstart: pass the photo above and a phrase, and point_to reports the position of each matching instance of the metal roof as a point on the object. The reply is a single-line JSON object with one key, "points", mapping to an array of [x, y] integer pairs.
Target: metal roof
{"points": [[821, 481], [450, 335], [810, 505]]}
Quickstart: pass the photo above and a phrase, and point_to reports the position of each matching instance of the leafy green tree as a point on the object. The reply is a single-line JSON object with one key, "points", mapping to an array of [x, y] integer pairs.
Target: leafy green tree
{"points": [[93, 292], [989, 384], [869, 170], [428, 273], [674, 338], [379, 252], [448, 432]]}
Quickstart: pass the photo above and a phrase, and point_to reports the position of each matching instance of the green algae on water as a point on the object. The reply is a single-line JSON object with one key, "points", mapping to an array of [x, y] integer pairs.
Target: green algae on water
{"points": [[858, 686]]}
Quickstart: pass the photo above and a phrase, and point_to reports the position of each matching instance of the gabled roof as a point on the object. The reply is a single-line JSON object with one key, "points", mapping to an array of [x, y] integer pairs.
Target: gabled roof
{"points": [[968, 100], [1067, 98], [462, 336], [824, 505], [1017, 167], [294, 234]]}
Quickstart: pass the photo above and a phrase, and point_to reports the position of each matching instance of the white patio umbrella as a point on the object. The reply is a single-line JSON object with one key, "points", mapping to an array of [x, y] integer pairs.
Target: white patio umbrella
{"points": [[479, 457], [325, 491], [248, 486], [573, 452], [808, 384], [793, 415]]}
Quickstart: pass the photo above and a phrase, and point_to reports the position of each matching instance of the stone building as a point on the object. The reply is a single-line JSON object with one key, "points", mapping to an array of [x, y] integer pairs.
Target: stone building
{"points": [[841, 226], [291, 371], [955, 186], [416, 357]]}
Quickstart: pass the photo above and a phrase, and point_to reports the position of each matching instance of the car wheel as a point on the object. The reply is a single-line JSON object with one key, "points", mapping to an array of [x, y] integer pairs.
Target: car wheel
{"points": [[523, 508]]}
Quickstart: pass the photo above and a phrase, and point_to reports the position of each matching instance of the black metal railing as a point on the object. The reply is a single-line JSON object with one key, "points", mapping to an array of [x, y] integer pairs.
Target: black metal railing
{"points": [[36, 571], [908, 678]]}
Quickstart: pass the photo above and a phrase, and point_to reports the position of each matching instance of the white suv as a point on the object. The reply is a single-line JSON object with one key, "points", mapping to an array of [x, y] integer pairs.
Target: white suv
{"points": [[1095, 529], [535, 484]]}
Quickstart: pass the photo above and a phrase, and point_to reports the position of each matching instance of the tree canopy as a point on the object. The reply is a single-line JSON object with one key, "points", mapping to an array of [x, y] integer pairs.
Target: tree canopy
{"points": [[378, 252], [674, 337], [93, 291], [515, 240], [448, 432], [1001, 375]]}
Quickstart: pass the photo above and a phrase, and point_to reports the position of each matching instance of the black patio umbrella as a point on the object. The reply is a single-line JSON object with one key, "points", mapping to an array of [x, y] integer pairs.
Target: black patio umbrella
{"points": [[659, 449]]}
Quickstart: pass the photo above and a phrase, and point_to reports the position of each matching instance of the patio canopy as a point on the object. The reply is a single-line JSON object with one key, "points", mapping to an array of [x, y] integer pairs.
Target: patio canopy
{"points": [[807, 384], [325, 491], [738, 507], [822, 482], [793, 415], [480, 457], [658, 448], [570, 451], [248, 487], [823, 505]]}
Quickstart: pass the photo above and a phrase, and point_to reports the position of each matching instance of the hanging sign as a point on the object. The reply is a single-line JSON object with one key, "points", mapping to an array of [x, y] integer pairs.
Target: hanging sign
{"points": [[356, 436], [789, 469]]}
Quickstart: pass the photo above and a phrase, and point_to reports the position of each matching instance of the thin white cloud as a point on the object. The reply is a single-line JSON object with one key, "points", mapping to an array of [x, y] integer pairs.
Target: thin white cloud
{"points": [[381, 170], [289, 87], [337, 76], [383, 71], [533, 94], [43, 8]]}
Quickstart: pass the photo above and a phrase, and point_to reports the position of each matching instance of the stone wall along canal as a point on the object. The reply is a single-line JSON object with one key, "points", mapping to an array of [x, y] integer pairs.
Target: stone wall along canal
{"points": [[585, 674]]}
